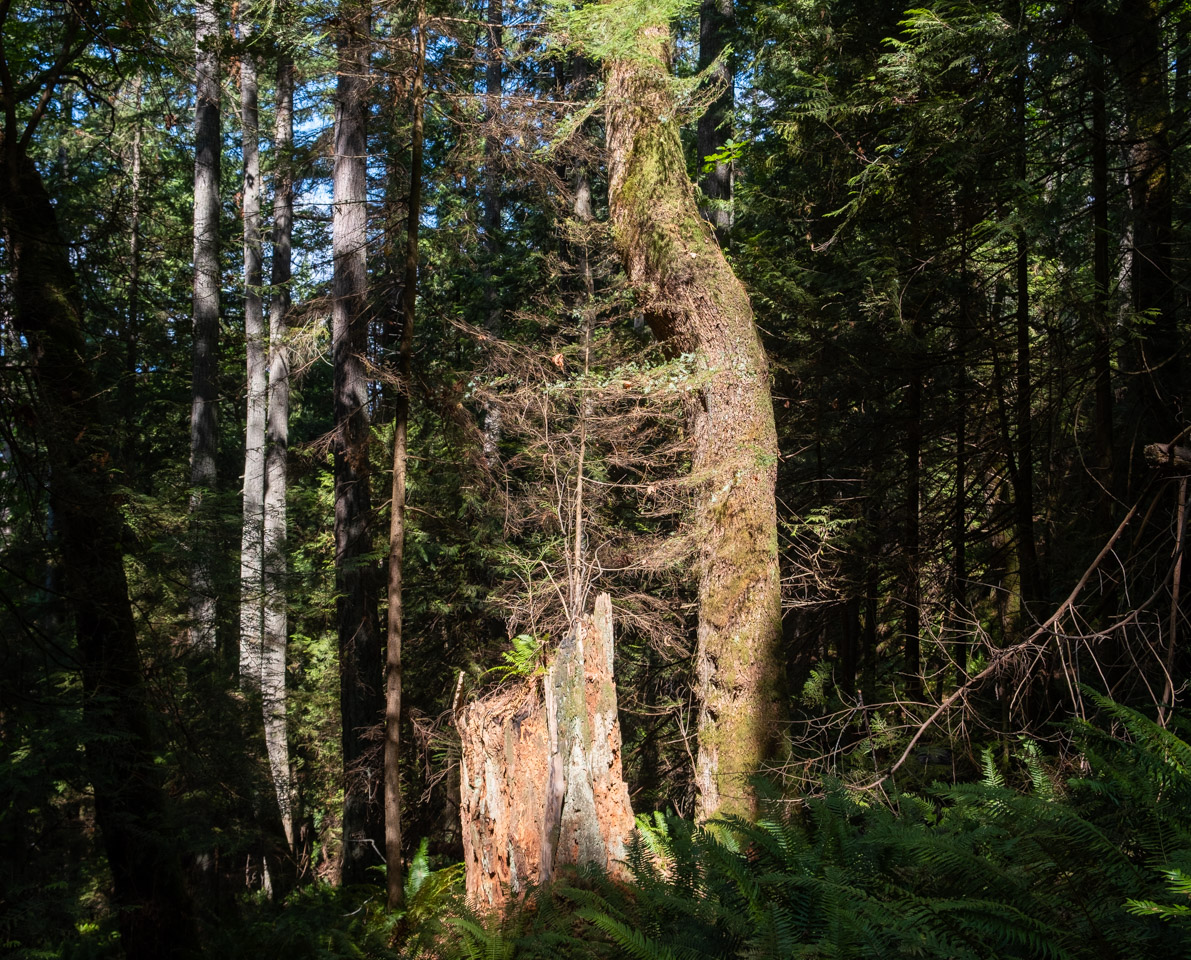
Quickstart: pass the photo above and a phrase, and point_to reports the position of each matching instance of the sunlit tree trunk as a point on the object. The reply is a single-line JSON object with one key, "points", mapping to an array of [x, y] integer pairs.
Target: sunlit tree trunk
{"points": [[275, 621], [493, 94], [355, 575], [252, 531], [203, 425], [695, 304]]}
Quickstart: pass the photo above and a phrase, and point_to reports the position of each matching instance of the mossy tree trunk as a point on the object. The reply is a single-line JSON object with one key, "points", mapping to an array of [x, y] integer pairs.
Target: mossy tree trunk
{"points": [[694, 303]]}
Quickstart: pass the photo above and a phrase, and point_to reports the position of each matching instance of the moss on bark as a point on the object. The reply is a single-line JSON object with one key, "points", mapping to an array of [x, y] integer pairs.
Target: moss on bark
{"points": [[694, 303]]}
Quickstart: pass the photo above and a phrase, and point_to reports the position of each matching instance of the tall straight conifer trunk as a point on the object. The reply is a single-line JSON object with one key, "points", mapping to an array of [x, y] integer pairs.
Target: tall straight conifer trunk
{"points": [[1023, 476], [204, 437], [1101, 279], [128, 384], [275, 621], [694, 303], [493, 94], [361, 700], [409, 298], [1131, 36], [253, 522], [1142, 62]]}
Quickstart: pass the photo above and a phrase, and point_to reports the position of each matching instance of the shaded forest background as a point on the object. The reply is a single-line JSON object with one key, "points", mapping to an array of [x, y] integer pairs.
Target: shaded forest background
{"points": [[963, 230]]}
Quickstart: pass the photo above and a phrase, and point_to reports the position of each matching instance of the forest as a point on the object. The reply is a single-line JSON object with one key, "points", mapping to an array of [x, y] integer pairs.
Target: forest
{"points": [[665, 479]]}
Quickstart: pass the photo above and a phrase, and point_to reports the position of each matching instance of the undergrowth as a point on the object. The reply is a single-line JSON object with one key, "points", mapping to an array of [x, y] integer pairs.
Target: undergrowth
{"points": [[1097, 868]]}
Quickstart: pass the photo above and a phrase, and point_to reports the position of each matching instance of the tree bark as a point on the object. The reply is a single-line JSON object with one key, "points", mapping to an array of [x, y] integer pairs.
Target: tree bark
{"points": [[128, 383], [959, 513], [252, 530], [912, 641], [409, 296], [1023, 492], [1101, 279], [1131, 36], [717, 20], [152, 909], [204, 435], [493, 94], [275, 626], [1142, 65], [540, 771], [695, 304], [361, 701]]}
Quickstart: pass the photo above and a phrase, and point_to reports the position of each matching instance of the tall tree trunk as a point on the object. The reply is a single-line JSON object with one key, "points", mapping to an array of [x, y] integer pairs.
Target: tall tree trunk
{"points": [[132, 325], [912, 642], [393, 859], [959, 514], [1142, 64], [694, 303], [151, 906], [493, 95], [1023, 492], [849, 646], [1131, 36], [252, 532], [869, 639], [355, 576], [275, 626], [204, 437], [717, 21], [1101, 324]]}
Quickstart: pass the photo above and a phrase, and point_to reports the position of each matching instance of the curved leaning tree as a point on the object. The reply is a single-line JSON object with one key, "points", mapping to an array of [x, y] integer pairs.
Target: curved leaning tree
{"points": [[694, 303]]}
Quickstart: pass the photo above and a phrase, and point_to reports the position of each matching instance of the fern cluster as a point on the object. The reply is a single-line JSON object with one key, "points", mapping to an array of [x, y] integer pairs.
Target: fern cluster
{"points": [[1099, 868]]}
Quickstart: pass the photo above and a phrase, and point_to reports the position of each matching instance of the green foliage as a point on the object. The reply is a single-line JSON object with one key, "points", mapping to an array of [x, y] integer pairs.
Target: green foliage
{"points": [[321, 922], [1180, 885], [524, 660], [428, 893], [971, 871], [614, 30], [315, 923]]}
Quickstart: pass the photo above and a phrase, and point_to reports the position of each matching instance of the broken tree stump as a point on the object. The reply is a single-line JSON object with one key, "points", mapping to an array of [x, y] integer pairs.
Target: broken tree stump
{"points": [[540, 770]]}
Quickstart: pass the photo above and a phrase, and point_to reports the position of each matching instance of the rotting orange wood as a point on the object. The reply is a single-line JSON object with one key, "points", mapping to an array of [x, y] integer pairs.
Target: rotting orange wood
{"points": [[540, 776]]}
